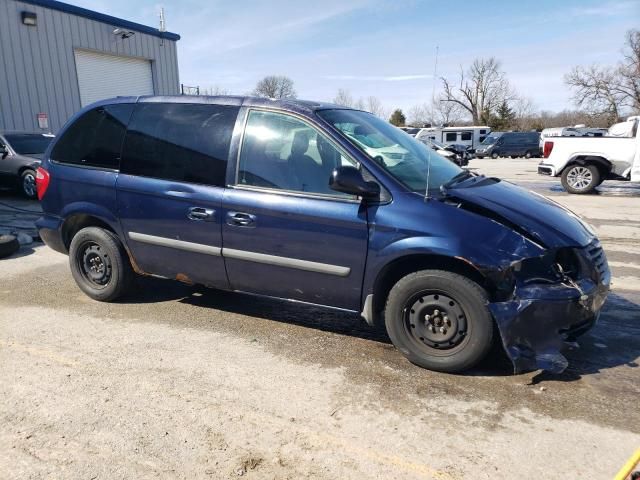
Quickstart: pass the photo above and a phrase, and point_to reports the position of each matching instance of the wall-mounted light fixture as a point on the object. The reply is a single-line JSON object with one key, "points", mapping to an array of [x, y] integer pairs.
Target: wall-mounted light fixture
{"points": [[29, 18], [119, 32]]}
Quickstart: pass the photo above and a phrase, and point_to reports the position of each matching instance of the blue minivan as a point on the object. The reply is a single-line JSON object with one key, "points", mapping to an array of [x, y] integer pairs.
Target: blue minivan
{"points": [[276, 198]]}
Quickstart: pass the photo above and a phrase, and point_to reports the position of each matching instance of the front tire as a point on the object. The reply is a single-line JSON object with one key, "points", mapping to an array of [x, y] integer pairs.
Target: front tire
{"points": [[28, 183], [494, 155], [439, 320], [580, 178], [99, 264]]}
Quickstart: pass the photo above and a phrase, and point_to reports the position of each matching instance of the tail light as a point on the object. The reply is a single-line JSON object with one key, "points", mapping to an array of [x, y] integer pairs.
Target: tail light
{"points": [[42, 182], [548, 146]]}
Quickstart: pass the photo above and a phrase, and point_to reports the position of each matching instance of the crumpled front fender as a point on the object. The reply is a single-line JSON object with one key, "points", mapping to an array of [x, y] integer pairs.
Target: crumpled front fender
{"points": [[538, 320]]}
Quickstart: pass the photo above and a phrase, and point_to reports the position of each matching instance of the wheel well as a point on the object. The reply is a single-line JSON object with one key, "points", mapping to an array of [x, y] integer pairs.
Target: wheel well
{"points": [[75, 223], [401, 267], [603, 165], [23, 168]]}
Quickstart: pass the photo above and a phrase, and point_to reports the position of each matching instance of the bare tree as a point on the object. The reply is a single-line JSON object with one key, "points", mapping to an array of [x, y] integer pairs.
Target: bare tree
{"points": [[374, 105], [481, 89], [370, 104], [524, 111], [343, 98], [629, 70], [444, 112], [608, 90], [214, 90], [419, 115], [595, 89], [275, 86]]}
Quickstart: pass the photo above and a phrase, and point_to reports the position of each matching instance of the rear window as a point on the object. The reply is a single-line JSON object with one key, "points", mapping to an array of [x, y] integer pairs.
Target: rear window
{"points": [[181, 142], [94, 139], [28, 143]]}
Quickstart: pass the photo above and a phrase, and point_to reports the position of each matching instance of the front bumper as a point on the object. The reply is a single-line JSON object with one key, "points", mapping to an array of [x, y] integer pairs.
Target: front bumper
{"points": [[546, 169], [541, 318]]}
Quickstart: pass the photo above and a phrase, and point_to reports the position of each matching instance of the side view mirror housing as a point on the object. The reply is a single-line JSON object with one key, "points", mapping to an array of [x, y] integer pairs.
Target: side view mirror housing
{"points": [[349, 180]]}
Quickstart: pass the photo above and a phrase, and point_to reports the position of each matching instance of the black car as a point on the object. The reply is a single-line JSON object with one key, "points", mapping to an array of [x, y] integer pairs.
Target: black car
{"points": [[20, 154], [510, 144]]}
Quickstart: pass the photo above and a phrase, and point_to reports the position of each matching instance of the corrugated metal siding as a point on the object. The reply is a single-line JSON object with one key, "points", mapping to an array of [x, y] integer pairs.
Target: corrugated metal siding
{"points": [[37, 65]]}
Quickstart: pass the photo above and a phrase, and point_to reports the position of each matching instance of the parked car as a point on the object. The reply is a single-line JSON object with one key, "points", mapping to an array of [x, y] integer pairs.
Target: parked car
{"points": [[510, 144], [413, 131], [458, 154], [584, 163], [20, 154], [277, 198]]}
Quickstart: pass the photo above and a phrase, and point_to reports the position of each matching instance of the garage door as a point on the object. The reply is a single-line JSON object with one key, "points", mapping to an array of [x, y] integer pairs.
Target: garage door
{"points": [[103, 76]]}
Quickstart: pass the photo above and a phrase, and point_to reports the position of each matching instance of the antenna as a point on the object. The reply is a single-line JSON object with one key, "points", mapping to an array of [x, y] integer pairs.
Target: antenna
{"points": [[163, 26], [426, 193]]}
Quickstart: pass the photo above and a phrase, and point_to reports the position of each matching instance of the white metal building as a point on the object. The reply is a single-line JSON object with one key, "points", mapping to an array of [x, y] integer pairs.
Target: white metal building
{"points": [[55, 58]]}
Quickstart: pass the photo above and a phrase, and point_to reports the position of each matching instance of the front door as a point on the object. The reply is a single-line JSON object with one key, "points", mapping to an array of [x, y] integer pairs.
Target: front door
{"points": [[286, 233], [170, 189]]}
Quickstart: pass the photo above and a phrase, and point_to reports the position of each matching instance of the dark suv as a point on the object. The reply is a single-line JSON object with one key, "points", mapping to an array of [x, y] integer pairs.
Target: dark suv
{"points": [[510, 144], [20, 154], [276, 198]]}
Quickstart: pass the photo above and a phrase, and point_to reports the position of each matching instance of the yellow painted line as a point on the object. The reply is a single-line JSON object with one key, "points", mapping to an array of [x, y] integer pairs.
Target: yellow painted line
{"points": [[628, 467], [40, 352]]}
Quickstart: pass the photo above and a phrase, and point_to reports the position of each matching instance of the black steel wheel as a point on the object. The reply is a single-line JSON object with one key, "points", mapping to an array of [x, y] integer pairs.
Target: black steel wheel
{"points": [[99, 264], [439, 320], [436, 321]]}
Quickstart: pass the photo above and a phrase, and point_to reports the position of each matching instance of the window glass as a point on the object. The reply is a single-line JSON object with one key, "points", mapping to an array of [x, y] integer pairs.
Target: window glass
{"points": [[451, 136], [95, 139], [179, 141], [280, 151], [465, 136], [408, 160], [29, 143]]}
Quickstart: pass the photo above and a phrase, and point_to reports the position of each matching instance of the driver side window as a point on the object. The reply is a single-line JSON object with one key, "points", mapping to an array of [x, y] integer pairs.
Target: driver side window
{"points": [[281, 152]]}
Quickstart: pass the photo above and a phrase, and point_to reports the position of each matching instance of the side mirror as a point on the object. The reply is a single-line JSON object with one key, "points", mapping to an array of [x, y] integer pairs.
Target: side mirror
{"points": [[349, 180], [4, 151]]}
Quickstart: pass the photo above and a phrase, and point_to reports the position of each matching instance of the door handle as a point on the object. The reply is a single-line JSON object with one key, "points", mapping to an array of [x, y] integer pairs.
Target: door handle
{"points": [[240, 219], [200, 213]]}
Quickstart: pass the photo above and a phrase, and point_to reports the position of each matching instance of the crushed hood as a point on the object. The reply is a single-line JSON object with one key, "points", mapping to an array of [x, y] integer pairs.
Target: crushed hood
{"points": [[544, 220]]}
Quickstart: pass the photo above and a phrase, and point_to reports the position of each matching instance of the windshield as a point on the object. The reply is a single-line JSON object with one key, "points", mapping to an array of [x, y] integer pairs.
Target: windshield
{"points": [[490, 140], [28, 143], [408, 159]]}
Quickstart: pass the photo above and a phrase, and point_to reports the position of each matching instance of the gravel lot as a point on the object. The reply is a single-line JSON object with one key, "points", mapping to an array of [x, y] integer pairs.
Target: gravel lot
{"points": [[183, 382]]}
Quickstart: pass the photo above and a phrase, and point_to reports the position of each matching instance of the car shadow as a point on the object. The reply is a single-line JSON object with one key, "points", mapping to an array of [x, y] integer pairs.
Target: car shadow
{"points": [[613, 342], [151, 290]]}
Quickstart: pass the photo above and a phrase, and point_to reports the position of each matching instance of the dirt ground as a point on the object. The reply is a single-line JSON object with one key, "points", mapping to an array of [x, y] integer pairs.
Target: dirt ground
{"points": [[184, 382]]}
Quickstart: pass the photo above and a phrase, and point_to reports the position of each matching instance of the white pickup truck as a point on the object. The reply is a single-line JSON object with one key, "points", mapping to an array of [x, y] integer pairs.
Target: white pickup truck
{"points": [[584, 163]]}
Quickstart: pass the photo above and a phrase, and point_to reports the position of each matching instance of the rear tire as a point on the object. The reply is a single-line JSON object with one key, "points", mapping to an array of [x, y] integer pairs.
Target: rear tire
{"points": [[439, 320], [28, 183], [99, 264], [580, 178], [528, 155]]}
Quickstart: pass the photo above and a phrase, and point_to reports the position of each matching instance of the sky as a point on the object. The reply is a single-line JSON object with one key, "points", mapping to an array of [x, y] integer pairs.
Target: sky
{"points": [[386, 48]]}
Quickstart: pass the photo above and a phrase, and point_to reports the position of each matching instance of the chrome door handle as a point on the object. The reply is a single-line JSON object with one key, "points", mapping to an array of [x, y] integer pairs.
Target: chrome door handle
{"points": [[200, 213], [240, 219]]}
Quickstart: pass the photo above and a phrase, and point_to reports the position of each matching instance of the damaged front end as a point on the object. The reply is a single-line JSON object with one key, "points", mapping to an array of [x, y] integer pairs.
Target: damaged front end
{"points": [[544, 303]]}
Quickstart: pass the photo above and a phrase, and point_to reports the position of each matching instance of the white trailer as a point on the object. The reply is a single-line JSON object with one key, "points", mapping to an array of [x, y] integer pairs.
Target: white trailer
{"points": [[471, 136]]}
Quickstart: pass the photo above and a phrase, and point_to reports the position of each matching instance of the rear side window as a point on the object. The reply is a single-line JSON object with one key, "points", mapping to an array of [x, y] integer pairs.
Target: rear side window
{"points": [[451, 137], [465, 136], [94, 139], [181, 142]]}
